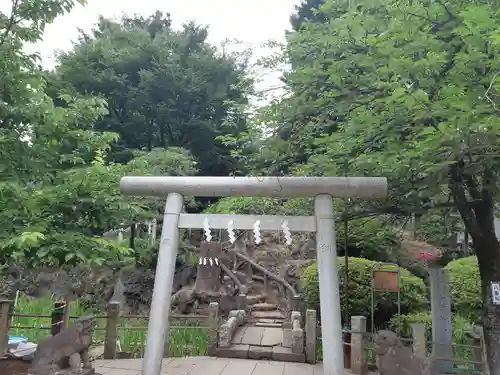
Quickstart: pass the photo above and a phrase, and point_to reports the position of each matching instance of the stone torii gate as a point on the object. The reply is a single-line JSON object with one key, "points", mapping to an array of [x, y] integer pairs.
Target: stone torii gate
{"points": [[322, 223]]}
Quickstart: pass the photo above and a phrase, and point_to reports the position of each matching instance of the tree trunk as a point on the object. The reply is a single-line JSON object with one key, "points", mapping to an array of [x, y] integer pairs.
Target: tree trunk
{"points": [[150, 136], [475, 202], [487, 249], [163, 141], [132, 236], [488, 254]]}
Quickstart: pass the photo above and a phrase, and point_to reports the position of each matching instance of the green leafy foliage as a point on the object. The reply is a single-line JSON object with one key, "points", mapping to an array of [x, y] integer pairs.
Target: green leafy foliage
{"points": [[244, 206], [307, 11], [70, 214], [164, 87], [58, 193], [465, 288], [438, 226], [369, 238], [403, 325], [403, 97], [406, 90], [413, 290], [377, 90]]}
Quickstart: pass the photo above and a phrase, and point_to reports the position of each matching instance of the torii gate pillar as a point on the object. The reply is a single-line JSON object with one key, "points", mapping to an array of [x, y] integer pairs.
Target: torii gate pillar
{"points": [[322, 188], [162, 291]]}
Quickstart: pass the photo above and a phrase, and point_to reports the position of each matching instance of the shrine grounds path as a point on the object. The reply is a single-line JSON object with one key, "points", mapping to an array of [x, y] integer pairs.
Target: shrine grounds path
{"points": [[210, 366]]}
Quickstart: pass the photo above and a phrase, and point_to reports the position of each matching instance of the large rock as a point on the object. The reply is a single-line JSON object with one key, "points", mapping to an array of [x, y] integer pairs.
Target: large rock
{"points": [[93, 287]]}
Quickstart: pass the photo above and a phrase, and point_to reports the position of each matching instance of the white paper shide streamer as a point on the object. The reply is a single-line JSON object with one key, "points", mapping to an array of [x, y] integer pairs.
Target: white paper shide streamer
{"points": [[256, 232], [208, 237], [230, 231], [206, 228], [286, 231], [208, 261]]}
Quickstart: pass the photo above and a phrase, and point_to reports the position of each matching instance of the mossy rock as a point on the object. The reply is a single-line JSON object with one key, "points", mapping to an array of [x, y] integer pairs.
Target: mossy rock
{"points": [[413, 290]]}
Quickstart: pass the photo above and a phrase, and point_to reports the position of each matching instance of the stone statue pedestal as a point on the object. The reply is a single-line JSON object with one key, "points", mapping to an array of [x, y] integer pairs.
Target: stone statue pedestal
{"points": [[69, 371]]}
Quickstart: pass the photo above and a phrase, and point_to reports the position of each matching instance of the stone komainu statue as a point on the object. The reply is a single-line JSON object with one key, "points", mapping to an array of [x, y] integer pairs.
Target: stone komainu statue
{"points": [[67, 352], [393, 358]]}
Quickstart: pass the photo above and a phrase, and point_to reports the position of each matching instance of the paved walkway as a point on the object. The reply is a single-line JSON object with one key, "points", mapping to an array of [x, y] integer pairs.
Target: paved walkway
{"points": [[210, 366]]}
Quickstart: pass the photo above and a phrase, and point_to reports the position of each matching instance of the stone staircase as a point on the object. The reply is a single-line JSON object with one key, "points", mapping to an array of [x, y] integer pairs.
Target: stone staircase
{"points": [[257, 326], [262, 332], [266, 315]]}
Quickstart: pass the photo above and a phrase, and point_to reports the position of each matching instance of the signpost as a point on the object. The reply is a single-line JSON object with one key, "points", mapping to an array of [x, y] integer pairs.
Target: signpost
{"points": [[385, 281]]}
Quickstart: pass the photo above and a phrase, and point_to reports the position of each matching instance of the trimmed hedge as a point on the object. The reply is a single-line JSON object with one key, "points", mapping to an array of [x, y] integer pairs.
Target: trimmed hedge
{"points": [[413, 290], [465, 288]]}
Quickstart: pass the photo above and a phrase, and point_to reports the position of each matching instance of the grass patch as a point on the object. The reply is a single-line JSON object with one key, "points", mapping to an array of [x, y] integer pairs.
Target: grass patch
{"points": [[186, 338]]}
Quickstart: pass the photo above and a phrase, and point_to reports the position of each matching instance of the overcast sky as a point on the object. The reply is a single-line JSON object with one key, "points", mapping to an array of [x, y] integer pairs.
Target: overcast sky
{"points": [[252, 22]]}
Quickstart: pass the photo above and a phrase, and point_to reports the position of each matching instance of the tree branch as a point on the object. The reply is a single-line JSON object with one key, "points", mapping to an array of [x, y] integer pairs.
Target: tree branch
{"points": [[490, 87], [463, 206], [472, 186], [11, 22], [489, 189], [446, 9]]}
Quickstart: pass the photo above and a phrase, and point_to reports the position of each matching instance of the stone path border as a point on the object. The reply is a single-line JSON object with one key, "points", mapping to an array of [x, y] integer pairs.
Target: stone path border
{"points": [[210, 366]]}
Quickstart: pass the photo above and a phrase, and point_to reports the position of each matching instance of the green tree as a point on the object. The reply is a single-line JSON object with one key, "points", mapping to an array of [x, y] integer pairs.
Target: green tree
{"points": [[307, 11], [57, 192], [36, 139], [164, 87], [408, 90]]}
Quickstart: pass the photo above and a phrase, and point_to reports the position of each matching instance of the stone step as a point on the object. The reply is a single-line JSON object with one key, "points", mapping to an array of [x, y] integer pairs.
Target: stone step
{"points": [[270, 325], [264, 306], [259, 336], [275, 353], [265, 323], [268, 321], [275, 314], [253, 299]]}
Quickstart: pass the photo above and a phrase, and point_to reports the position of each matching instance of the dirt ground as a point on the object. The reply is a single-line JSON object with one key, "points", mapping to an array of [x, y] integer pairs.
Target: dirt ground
{"points": [[13, 367]]}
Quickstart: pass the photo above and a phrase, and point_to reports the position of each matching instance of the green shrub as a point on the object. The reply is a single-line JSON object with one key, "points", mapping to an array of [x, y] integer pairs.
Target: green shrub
{"points": [[262, 206], [461, 327], [402, 324], [369, 238], [244, 206], [465, 288], [413, 290]]}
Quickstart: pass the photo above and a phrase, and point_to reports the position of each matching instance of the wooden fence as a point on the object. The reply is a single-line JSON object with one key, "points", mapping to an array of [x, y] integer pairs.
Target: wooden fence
{"points": [[359, 348], [358, 343], [61, 316]]}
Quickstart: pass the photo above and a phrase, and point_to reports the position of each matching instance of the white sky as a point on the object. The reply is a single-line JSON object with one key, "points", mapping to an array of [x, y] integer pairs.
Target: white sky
{"points": [[253, 22]]}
